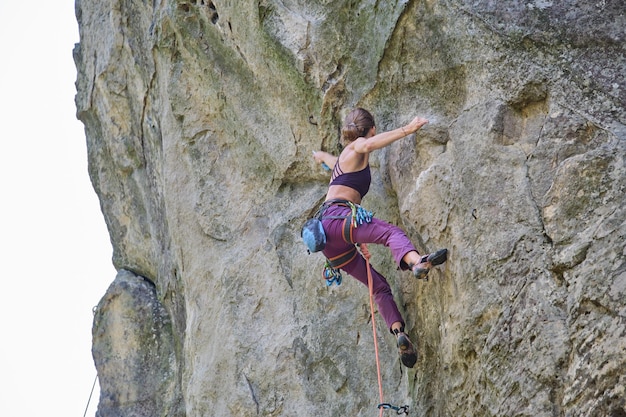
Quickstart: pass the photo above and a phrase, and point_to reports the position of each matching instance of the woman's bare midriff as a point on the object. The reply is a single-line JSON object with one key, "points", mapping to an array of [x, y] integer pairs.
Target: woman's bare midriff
{"points": [[343, 193]]}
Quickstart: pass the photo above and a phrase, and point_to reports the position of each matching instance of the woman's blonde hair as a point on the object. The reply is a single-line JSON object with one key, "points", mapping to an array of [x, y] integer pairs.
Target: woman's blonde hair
{"points": [[358, 122]]}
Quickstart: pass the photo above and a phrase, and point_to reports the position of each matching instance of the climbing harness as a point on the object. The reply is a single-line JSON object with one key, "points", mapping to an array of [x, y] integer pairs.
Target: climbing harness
{"points": [[382, 405], [314, 236], [358, 216], [332, 266]]}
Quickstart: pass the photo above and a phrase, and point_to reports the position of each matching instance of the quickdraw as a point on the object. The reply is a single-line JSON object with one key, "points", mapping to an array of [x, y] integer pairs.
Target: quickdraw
{"points": [[360, 215], [331, 275], [399, 410]]}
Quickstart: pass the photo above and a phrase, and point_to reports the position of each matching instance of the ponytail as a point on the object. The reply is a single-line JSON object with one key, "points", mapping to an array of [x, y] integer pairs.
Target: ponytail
{"points": [[351, 132], [358, 122]]}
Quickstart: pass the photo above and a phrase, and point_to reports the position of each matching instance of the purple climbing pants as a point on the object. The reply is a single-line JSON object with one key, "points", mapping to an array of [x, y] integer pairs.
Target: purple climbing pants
{"points": [[379, 232]]}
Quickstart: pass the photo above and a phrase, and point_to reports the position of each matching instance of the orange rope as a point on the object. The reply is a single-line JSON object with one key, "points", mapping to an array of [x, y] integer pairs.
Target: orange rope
{"points": [[371, 288]]}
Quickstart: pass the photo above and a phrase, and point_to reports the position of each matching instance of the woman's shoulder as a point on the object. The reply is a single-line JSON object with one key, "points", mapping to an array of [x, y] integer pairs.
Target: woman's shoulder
{"points": [[351, 161]]}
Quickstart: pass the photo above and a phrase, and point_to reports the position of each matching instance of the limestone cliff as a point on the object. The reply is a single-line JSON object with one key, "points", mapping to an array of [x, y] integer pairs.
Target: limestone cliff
{"points": [[200, 118]]}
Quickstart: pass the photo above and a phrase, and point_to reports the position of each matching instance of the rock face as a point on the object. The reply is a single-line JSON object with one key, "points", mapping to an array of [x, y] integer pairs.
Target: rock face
{"points": [[200, 118]]}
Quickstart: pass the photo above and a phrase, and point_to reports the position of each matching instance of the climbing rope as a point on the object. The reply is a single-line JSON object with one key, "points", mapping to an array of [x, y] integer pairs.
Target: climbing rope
{"points": [[371, 288], [91, 393], [383, 405]]}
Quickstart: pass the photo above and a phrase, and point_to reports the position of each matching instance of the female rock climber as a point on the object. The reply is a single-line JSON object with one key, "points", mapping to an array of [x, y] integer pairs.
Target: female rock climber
{"points": [[350, 181]]}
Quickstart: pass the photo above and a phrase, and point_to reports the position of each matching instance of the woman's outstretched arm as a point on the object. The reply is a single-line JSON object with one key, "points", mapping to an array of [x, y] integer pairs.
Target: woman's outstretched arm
{"points": [[378, 141]]}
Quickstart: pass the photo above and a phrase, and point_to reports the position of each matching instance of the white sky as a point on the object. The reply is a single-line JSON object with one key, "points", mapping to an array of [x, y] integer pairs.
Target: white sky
{"points": [[55, 254]]}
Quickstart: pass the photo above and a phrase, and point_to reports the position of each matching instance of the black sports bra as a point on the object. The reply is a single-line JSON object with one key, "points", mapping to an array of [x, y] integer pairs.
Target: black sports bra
{"points": [[358, 180]]}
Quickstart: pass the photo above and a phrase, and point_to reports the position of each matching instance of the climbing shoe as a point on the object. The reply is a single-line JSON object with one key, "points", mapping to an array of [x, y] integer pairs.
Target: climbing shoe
{"points": [[421, 270], [407, 352]]}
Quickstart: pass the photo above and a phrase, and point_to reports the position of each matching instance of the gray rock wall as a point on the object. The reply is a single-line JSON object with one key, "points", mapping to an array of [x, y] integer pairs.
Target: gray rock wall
{"points": [[200, 118]]}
